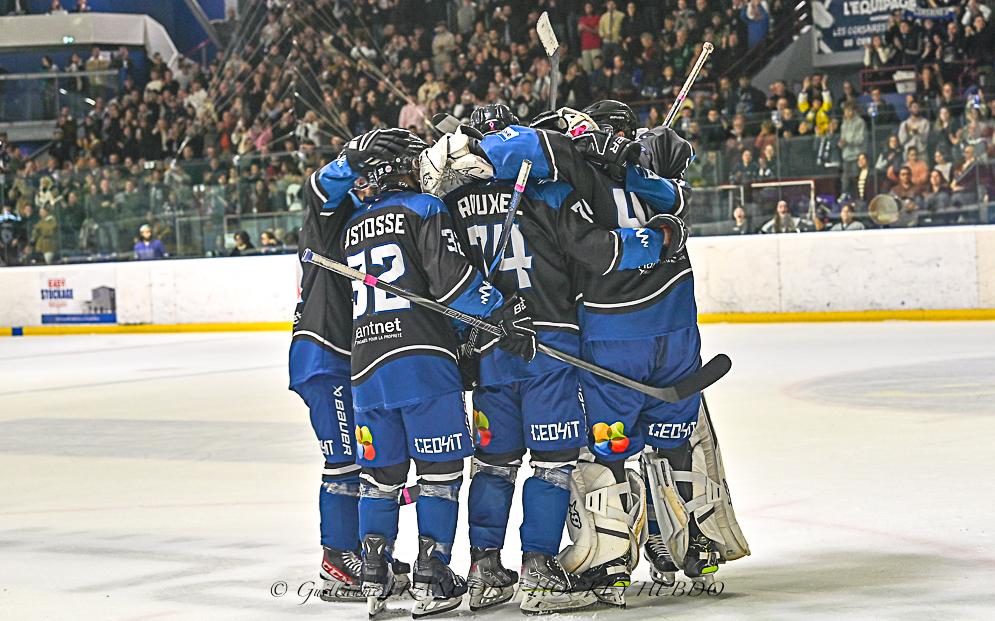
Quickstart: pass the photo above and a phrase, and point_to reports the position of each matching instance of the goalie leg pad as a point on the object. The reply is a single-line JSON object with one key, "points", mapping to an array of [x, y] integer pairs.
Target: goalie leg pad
{"points": [[546, 499], [492, 486], [606, 517], [712, 503]]}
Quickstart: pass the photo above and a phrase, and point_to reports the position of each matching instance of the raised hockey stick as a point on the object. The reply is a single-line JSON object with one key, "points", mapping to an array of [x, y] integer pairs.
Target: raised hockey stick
{"points": [[549, 43], [706, 51], [709, 373]]}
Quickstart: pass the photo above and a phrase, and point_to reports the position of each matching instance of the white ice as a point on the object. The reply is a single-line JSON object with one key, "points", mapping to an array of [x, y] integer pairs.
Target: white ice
{"points": [[175, 477]]}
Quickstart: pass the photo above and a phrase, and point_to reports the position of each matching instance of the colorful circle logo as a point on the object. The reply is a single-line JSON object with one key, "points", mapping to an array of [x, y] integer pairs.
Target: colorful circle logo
{"points": [[364, 440], [609, 439], [483, 427]]}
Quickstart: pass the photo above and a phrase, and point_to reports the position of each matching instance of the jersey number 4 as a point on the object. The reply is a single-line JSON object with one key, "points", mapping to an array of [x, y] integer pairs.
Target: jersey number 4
{"points": [[516, 255], [388, 256]]}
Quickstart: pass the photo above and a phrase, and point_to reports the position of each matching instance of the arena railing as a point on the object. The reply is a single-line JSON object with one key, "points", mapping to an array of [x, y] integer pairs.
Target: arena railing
{"points": [[41, 96], [196, 206]]}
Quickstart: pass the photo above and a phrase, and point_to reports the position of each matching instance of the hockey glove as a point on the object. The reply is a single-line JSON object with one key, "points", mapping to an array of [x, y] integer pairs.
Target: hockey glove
{"points": [[612, 154], [675, 234], [380, 145], [519, 335]]}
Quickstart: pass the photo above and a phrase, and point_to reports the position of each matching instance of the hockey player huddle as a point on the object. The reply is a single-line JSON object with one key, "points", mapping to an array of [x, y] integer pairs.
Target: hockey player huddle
{"points": [[593, 265]]}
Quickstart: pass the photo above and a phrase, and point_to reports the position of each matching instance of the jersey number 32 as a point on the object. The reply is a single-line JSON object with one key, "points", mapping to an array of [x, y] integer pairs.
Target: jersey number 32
{"points": [[388, 256]]}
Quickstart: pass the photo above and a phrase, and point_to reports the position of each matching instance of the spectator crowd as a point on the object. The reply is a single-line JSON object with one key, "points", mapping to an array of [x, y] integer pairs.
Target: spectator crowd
{"points": [[181, 147]]}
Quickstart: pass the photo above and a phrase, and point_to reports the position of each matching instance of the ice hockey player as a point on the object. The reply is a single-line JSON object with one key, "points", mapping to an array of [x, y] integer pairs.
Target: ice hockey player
{"points": [[692, 523], [319, 373], [605, 545], [535, 406], [407, 390]]}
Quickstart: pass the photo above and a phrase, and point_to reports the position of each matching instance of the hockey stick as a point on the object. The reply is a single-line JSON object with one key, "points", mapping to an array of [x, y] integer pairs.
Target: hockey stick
{"points": [[549, 43], [706, 51], [502, 244], [709, 373]]}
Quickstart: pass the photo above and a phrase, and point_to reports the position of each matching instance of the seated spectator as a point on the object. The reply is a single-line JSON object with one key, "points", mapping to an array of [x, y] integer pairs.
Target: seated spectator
{"points": [[147, 247], [880, 109], [920, 171], [941, 164], [964, 180], [847, 220], [740, 223], [937, 197], [243, 245], [269, 243], [864, 183], [905, 190], [890, 158], [783, 221], [914, 130], [745, 170]]}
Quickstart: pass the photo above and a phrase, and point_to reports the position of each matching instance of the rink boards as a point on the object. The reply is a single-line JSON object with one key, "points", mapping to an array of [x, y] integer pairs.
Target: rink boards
{"points": [[934, 273]]}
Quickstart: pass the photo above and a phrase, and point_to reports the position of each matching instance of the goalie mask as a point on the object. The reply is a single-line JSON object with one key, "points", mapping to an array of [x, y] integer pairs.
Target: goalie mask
{"points": [[565, 121], [492, 118], [613, 116], [401, 172]]}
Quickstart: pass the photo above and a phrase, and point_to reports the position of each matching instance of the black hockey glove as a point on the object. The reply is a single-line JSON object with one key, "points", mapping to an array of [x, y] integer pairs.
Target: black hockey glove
{"points": [[367, 150], [612, 154], [675, 234], [515, 320]]}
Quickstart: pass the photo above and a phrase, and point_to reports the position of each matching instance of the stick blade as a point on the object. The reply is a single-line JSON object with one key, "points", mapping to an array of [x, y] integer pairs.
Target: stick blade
{"points": [[546, 35], [711, 372]]}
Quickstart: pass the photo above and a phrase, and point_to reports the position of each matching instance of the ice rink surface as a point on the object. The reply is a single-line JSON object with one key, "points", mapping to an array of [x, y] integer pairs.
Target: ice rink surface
{"points": [[175, 477]]}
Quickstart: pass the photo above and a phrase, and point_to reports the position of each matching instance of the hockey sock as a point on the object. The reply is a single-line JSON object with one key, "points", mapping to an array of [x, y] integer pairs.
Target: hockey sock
{"points": [[378, 512], [338, 505], [489, 504], [545, 500], [438, 509]]}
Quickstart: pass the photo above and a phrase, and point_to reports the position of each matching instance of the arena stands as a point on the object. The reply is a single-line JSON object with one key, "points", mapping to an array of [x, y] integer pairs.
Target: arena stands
{"points": [[202, 152]]}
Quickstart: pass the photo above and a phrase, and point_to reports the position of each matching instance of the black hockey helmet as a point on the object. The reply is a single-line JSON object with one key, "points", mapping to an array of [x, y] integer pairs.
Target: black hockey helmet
{"points": [[613, 116], [393, 173], [492, 118]]}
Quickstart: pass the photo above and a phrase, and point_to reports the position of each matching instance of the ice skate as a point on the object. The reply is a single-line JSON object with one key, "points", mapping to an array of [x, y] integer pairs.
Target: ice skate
{"points": [[547, 588], [663, 570], [435, 587], [489, 582], [701, 560], [340, 576], [377, 576], [607, 581]]}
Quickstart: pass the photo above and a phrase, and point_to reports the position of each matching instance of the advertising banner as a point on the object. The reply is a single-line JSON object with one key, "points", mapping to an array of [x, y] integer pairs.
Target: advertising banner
{"points": [[78, 297], [842, 27]]}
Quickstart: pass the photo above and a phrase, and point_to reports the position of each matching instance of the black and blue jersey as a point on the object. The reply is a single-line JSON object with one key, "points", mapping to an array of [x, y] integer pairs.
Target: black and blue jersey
{"points": [[619, 304], [553, 232], [321, 334]]}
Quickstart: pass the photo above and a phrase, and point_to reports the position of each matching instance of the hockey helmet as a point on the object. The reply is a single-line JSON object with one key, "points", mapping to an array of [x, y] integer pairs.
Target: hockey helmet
{"points": [[492, 118], [394, 173], [614, 116]]}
